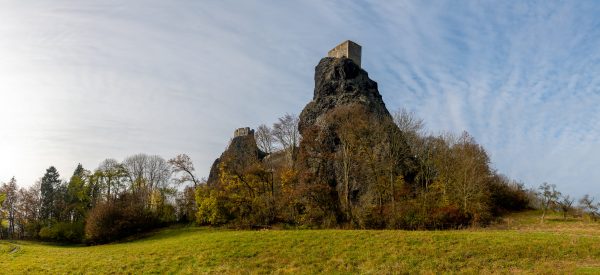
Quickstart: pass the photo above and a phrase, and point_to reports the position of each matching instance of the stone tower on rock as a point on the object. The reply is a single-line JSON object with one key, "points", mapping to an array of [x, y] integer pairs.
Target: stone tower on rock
{"points": [[347, 49]]}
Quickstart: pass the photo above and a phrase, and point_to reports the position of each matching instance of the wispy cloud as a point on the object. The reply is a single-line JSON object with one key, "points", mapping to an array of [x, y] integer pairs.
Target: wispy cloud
{"points": [[82, 81]]}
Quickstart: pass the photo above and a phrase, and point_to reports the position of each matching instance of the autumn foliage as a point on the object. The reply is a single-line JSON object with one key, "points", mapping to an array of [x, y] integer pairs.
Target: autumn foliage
{"points": [[363, 172]]}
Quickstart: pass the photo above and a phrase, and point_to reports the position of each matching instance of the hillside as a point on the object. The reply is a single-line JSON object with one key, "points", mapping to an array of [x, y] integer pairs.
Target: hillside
{"points": [[571, 246], [351, 163]]}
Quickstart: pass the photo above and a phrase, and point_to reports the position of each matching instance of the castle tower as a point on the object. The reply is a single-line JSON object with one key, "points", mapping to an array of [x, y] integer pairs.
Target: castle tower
{"points": [[347, 49], [242, 132]]}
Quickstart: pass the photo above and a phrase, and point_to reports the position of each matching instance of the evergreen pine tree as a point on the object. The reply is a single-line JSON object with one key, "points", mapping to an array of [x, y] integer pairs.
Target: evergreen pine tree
{"points": [[49, 184]]}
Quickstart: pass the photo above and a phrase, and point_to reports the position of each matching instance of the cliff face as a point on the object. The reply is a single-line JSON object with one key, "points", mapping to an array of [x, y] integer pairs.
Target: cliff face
{"points": [[347, 113], [339, 82], [240, 154]]}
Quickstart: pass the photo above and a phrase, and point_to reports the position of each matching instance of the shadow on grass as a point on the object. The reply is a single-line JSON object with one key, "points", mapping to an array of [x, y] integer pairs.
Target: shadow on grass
{"points": [[161, 233], [53, 244], [172, 231]]}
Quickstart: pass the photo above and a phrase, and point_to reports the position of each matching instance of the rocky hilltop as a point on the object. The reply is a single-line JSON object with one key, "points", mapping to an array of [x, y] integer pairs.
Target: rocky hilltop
{"points": [[241, 153], [354, 167], [339, 82], [344, 128]]}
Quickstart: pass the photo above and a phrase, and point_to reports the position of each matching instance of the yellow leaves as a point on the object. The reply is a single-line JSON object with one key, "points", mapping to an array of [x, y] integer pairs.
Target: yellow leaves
{"points": [[288, 177], [227, 180], [207, 210], [156, 199], [209, 203]]}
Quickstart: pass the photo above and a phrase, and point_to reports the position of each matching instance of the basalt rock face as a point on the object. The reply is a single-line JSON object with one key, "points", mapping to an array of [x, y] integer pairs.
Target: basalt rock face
{"points": [[342, 87], [241, 153], [338, 82]]}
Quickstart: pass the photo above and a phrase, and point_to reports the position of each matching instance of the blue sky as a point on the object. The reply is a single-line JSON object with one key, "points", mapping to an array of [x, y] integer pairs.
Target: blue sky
{"points": [[81, 81]]}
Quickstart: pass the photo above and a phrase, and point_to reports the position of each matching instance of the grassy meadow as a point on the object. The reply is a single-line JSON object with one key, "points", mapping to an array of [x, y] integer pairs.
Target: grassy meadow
{"points": [[519, 244]]}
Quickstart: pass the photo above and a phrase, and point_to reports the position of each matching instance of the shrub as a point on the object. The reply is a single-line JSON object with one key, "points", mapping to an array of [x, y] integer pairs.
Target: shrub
{"points": [[448, 217], [507, 196], [115, 220], [62, 232], [211, 207]]}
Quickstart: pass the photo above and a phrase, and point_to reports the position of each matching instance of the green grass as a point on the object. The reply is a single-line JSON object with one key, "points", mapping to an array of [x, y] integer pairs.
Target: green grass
{"points": [[522, 245]]}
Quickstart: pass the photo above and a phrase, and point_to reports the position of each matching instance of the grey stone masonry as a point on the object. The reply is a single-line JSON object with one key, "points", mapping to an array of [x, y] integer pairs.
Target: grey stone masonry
{"points": [[347, 49], [242, 132]]}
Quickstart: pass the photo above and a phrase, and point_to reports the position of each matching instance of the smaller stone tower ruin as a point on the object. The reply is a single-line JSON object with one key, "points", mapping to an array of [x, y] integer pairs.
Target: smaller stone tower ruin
{"points": [[347, 49], [242, 132]]}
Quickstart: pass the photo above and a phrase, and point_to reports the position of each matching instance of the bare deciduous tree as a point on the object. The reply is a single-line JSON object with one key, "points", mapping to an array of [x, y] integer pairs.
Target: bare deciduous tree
{"points": [[408, 121], [135, 166], [183, 164], [287, 134], [147, 172], [28, 207], [157, 172], [549, 196], [566, 205], [265, 139], [588, 205], [111, 175], [471, 174]]}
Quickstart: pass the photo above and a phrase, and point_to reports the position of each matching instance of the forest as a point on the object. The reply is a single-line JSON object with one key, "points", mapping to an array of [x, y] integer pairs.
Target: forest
{"points": [[445, 181]]}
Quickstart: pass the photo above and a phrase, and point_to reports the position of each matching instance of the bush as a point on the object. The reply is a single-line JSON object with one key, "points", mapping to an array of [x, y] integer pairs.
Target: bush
{"points": [[211, 207], [507, 197], [448, 217], [63, 232], [113, 221], [32, 229]]}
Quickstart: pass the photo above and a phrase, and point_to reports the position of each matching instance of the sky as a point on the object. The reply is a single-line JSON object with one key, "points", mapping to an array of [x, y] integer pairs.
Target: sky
{"points": [[82, 81]]}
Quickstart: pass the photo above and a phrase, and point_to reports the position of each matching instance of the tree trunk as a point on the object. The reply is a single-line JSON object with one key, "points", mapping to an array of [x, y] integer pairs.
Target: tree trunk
{"points": [[543, 214], [346, 167], [392, 190]]}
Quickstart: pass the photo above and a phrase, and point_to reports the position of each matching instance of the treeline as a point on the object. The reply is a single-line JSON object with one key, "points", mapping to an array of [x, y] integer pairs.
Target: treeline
{"points": [[115, 200], [548, 199], [410, 180]]}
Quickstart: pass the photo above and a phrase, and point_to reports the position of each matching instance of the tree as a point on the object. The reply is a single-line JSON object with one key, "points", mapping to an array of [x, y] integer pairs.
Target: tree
{"points": [[2, 211], [49, 183], [10, 204], [135, 166], [455, 175], [111, 175], [317, 200], [60, 203], [183, 164], [354, 158], [408, 121], [94, 188], [186, 205], [149, 176], [28, 207], [471, 176], [587, 203], [287, 134], [157, 174], [265, 139], [77, 197], [549, 197], [566, 205]]}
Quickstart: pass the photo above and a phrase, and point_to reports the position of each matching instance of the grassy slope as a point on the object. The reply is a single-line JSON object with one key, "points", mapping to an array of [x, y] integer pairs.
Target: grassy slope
{"points": [[524, 245]]}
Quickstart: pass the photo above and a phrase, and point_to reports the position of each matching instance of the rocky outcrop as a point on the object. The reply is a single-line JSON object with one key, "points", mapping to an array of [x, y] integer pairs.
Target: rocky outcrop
{"points": [[343, 92], [339, 82], [240, 154]]}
